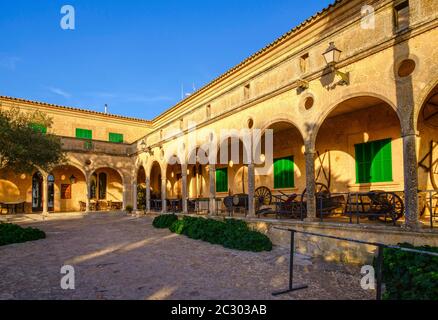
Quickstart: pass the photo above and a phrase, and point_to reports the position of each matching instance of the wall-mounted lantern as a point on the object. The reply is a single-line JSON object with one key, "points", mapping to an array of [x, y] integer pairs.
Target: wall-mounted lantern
{"points": [[143, 145], [332, 56], [72, 179]]}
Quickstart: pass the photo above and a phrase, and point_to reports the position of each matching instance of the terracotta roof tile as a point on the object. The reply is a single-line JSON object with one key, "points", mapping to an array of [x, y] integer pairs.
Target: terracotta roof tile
{"points": [[74, 109]]}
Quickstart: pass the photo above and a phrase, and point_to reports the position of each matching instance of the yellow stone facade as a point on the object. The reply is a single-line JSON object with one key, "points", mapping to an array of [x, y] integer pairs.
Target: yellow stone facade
{"points": [[286, 87]]}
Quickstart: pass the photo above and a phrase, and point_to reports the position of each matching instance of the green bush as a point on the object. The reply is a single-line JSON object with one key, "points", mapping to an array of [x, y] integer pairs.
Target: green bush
{"points": [[410, 276], [11, 233], [232, 234], [164, 221]]}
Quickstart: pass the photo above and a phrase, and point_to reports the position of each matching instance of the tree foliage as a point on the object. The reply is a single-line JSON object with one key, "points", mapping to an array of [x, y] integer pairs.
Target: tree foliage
{"points": [[24, 145]]}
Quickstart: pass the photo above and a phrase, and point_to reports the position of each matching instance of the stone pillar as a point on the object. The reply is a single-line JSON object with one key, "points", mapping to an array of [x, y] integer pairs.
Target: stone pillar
{"points": [[134, 197], [148, 194], [163, 193], [212, 175], [310, 183], [88, 194], [184, 188], [251, 187], [410, 169], [45, 195]]}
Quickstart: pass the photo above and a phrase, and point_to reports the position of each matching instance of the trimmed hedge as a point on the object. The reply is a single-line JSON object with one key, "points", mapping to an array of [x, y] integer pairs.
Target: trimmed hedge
{"points": [[410, 276], [164, 221], [232, 234], [11, 233]]}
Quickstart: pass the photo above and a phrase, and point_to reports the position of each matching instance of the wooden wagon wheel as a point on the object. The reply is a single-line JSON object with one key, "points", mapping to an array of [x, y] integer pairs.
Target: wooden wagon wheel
{"points": [[264, 195], [393, 204]]}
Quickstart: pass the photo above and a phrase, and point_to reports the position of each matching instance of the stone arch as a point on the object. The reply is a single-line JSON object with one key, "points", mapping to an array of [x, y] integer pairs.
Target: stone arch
{"points": [[316, 126], [422, 99], [74, 192], [367, 153]]}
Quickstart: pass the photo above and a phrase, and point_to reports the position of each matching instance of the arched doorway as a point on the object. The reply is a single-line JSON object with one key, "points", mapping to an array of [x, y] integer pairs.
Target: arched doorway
{"points": [[283, 171], [155, 187], [359, 159], [141, 188], [232, 167], [428, 158], [69, 189], [51, 193], [106, 190], [37, 192], [174, 187], [366, 154]]}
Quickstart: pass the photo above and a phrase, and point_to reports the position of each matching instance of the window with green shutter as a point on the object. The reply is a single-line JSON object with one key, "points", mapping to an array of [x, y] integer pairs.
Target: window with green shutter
{"points": [[38, 127], [116, 137], [284, 173], [84, 134], [222, 180], [374, 161]]}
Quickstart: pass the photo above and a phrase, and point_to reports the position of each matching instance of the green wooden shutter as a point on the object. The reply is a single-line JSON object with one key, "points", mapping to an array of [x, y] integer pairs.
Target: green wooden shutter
{"points": [[374, 161], [84, 134], [37, 127], [222, 180], [116, 137], [284, 173]]}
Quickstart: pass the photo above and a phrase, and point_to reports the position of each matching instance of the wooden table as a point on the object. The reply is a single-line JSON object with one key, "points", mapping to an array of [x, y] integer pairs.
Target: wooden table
{"points": [[12, 207]]}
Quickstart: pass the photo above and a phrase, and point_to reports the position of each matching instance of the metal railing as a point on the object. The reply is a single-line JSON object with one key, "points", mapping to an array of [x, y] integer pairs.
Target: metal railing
{"points": [[379, 261]]}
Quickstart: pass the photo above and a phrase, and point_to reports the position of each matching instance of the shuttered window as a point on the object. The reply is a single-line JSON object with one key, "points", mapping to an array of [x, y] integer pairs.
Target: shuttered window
{"points": [[84, 134], [284, 173], [374, 161], [222, 180], [116, 137], [37, 127]]}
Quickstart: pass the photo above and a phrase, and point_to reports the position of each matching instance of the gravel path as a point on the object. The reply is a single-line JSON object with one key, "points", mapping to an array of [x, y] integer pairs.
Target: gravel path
{"points": [[121, 257]]}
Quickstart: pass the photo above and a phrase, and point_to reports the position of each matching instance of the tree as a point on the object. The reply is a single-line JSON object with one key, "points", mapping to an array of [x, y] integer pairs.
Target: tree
{"points": [[25, 144]]}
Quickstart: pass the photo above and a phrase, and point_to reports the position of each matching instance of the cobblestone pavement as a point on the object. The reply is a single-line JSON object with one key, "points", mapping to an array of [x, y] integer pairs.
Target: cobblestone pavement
{"points": [[121, 257]]}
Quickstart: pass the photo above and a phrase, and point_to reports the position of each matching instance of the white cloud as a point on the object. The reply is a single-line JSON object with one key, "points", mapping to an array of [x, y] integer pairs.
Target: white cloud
{"points": [[59, 92]]}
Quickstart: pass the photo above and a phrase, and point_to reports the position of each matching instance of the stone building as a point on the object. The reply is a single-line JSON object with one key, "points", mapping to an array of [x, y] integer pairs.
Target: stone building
{"points": [[351, 96]]}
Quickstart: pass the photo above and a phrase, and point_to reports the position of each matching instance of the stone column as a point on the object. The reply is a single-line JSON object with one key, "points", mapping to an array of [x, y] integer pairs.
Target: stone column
{"points": [[124, 192], [251, 187], [134, 197], [163, 193], [310, 183], [45, 195], [212, 175], [88, 194], [410, 169], [184, 188], [148, 194]]}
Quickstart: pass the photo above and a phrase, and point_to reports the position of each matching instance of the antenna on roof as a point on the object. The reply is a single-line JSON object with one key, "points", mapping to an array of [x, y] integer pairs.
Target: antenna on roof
{"points": [[106, 108]]}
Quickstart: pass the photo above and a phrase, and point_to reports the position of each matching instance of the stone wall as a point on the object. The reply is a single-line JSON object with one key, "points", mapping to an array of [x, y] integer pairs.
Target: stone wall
{"points": [[341, 251]]}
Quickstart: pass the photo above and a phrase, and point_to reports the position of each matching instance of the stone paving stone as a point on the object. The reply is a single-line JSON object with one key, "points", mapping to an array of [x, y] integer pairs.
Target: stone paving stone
{"points": [[124, 257]]}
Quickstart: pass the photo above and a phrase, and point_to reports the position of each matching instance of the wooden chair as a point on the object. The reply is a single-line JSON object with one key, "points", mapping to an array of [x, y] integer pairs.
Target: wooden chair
{"points": [[82, 206], [3, 209], [102, 205]]}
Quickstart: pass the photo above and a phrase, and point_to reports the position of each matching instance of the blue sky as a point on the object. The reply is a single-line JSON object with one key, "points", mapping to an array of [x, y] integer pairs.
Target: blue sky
{"points": [[133, 55]]}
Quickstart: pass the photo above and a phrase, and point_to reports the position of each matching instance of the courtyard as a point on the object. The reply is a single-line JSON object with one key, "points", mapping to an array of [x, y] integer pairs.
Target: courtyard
{"points": [[116, 256]]}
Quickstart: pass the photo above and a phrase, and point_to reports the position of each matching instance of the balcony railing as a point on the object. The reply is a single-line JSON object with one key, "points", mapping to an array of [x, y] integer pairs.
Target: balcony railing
{"points": [[95, 146]]}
